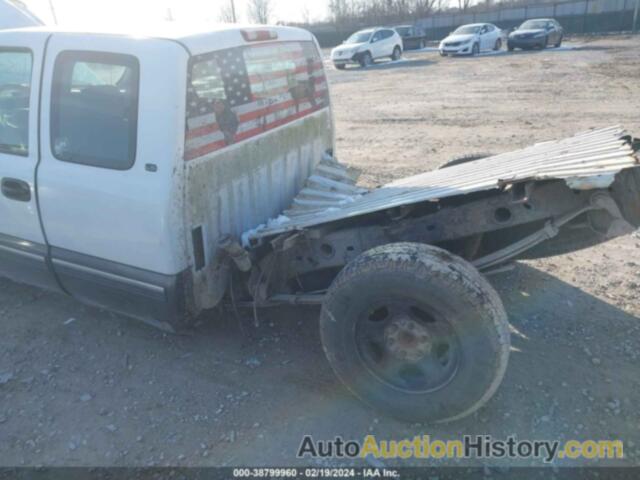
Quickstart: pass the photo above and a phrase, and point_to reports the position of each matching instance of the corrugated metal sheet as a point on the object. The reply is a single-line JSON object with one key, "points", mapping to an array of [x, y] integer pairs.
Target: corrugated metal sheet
{"points": [[587, 160]]}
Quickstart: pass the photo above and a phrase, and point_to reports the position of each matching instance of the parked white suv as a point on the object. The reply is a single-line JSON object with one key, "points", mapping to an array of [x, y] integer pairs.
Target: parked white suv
{"points": [[472, 39], [366, 46]]}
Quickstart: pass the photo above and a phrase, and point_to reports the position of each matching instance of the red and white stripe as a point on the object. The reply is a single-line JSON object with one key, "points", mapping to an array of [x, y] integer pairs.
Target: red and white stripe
{"points": [[276, 108]]}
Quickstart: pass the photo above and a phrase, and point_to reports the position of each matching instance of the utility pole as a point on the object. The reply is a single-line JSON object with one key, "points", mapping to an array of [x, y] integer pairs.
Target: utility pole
{"points": [[635, 17], [53, 12], [235, 20]]}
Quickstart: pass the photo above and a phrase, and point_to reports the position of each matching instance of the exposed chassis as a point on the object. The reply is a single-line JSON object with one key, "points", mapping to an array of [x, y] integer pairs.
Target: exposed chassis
{"points": [[407, 321], [526, 217], [488, 232]]}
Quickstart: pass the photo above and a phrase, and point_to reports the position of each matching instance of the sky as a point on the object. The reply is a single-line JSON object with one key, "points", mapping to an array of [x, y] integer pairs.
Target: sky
{"points": [[101, 12]]}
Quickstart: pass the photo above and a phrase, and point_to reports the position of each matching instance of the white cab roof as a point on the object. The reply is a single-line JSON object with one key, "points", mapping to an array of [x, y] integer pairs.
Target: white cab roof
{"points": [[197, 39]]}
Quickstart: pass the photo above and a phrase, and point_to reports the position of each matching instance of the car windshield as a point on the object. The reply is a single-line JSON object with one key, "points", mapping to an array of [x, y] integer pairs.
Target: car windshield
{"points": [[404, 31], [468, 29], [359, 37], [533, 25]]}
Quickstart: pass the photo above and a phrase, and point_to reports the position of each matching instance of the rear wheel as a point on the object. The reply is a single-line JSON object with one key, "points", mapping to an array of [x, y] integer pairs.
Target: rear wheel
{"points": [[475, 49], [366, 60], [340, 66], [416, 332], [498, 44], [397, 53]]}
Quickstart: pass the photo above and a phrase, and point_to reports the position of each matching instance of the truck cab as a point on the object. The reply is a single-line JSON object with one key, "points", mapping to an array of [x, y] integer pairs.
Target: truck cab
{"points": [[123, 159]]}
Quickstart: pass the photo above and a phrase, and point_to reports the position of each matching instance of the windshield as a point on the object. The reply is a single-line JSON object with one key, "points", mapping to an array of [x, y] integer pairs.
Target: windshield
{"points": [[360, 37], [533, 25], [404, 31], [468, 29]]}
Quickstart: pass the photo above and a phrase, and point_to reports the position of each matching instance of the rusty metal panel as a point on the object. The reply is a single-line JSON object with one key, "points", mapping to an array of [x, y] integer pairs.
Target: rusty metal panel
{"points": [[244, 185], [587, 160]]}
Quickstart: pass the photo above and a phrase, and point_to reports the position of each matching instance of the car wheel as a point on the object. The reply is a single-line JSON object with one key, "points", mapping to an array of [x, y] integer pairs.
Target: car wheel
{"points": [[442, 54], [545, 43], [559, 43], [498, 44], [416, 332], [475, 50], [397, 53], [366, 60], [340, 66]]}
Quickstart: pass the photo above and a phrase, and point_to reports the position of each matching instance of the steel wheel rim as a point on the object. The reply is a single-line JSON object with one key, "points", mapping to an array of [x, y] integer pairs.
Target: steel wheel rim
{"points": [[390, 341]]}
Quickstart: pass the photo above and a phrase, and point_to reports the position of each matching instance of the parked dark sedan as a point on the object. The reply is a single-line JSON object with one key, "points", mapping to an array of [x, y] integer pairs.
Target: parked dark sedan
{"points": [[538, 33], [412, 37]]}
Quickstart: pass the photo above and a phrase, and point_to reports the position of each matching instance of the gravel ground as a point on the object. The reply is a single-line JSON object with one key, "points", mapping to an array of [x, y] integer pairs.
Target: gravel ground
{"points": [[80, 386]]}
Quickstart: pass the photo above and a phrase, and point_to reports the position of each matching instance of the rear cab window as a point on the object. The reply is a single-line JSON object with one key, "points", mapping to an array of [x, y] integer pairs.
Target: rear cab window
{"points": [[15, 89], [238, 93], [94, 109]]}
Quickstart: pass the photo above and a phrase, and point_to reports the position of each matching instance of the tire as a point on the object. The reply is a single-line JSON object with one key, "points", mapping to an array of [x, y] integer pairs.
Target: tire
{"points": [[366, 60], [464, 159], [498, 45], [442, 54], [340, 66], [545, 44], [559, 42], [475, 50], [416, 332], [397, 54]]}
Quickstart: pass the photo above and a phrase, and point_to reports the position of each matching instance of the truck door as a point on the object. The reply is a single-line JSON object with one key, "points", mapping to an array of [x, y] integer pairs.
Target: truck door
{"points": [[109, 137], [23, 250]]}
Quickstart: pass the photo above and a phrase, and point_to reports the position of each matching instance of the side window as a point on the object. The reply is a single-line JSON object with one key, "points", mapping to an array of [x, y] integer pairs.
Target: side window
{"points": [[94, 109], [15, 86], [388, 34], [377, 36], [238, 93]]}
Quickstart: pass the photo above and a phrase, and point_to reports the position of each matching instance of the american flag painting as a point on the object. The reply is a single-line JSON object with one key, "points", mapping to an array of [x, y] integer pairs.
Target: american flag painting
{"points": [[238, 93]]}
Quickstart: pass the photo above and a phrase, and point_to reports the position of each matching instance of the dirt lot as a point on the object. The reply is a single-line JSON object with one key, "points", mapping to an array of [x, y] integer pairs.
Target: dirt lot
{"points": [[79, 386]]}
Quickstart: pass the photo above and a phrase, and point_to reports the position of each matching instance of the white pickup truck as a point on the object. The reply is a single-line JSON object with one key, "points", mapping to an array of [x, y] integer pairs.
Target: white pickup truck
{"points": [[163, 175]]}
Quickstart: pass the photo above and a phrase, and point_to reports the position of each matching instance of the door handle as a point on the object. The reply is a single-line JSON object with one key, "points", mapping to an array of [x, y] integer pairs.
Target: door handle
{"points": [[16, 189]]}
